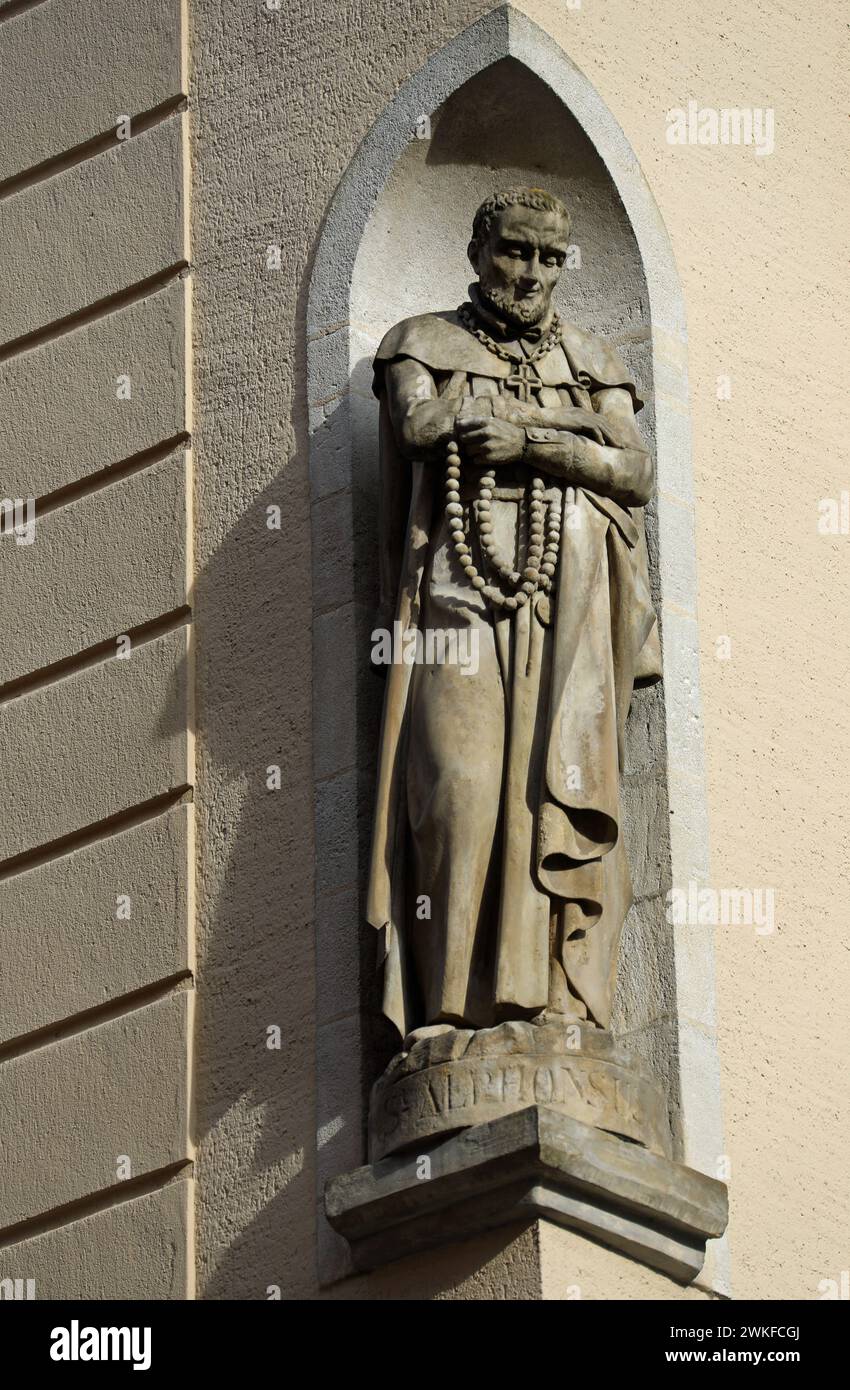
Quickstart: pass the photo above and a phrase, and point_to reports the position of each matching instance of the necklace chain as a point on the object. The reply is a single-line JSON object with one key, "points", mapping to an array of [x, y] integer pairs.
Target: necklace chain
{"points": [[552, 339]]}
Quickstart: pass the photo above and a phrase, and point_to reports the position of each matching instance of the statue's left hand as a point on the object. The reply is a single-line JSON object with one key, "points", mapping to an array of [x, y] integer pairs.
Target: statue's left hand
{"points": [[490, 441]]}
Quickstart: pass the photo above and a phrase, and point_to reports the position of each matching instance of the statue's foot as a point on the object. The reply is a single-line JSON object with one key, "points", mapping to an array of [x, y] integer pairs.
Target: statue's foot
{"points": [[429, 1030]]}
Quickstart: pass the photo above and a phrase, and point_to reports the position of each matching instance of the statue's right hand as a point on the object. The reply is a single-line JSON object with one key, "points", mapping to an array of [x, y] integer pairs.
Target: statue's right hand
{"points": [[490, 442]]}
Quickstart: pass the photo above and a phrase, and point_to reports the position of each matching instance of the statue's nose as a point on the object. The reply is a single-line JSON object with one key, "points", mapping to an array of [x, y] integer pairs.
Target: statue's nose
{"points": [[530, 277]]}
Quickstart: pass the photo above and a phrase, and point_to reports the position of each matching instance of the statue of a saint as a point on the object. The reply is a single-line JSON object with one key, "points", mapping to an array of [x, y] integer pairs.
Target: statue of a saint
{"points": [[513, 479]]}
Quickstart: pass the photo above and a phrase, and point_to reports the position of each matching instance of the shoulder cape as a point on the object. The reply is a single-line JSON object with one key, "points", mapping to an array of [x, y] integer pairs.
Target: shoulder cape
{"points": [[440, 342]]}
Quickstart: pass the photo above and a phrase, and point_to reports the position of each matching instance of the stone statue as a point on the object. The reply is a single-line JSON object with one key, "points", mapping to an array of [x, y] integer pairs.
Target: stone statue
{"points": [[513, 481]]}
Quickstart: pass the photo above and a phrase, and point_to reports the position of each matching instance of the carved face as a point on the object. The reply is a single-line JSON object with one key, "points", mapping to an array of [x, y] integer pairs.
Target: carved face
{"points": [[520, 261]]}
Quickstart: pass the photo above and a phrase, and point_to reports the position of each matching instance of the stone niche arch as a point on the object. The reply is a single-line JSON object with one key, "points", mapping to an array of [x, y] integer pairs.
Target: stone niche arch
{"points": [[501, 103]]}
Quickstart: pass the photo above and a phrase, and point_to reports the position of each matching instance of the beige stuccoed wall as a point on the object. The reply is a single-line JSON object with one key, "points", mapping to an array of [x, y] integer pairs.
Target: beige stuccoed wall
{"points": [[758, 243], [282, 101]]}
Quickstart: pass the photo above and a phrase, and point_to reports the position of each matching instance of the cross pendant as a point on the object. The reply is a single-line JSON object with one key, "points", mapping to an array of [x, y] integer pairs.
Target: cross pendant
{"points": [[522, 379]]}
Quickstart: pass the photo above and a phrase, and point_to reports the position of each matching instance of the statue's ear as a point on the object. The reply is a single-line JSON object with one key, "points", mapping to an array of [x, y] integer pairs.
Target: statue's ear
{"points": [[472, 253]]}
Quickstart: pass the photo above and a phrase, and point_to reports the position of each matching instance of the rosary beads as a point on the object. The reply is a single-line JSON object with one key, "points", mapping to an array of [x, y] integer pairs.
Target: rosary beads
{"points": [[543, 518], [544, 536]]}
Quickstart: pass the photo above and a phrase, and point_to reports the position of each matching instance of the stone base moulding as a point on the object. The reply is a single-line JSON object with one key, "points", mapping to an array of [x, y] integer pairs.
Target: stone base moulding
{"points": [[533, 1164]]}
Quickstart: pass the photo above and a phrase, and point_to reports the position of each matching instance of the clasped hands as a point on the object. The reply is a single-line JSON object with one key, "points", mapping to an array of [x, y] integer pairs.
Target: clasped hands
{"points": [[489, 441]]}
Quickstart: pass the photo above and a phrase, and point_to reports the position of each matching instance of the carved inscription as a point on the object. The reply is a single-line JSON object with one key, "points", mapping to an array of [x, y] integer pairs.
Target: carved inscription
{"points": [[470, 1091]]}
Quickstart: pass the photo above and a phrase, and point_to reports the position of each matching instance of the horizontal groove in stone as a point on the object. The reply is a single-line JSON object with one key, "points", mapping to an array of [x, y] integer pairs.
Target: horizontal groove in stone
{"points": [[110, 734], [73, 1110], [127, 209], [114, 473], [115, 912], [105, 563], [114, 1196], [16, 7], [91, 834], [90, 149], [26, 1043], [73, 384], [93, 656], [28, 342]]}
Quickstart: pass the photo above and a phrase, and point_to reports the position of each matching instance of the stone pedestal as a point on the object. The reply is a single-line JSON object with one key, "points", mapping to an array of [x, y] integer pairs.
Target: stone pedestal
{"points": [[531, 1164], [461, 1078]]}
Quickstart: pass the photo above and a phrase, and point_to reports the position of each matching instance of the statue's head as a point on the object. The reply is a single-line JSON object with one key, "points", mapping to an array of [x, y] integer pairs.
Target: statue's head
{"points": [[519, 244]]}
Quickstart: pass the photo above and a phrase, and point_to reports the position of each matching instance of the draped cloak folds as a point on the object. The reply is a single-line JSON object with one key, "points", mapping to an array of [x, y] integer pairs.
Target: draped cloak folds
{"points": [[557, 870]]}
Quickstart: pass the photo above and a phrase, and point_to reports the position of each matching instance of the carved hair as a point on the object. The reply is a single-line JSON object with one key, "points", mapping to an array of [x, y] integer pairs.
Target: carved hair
{"points": [[515, 197]]}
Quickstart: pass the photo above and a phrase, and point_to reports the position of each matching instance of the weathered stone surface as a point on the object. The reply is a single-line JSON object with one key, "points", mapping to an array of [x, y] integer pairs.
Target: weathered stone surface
{"points": [[462, 1077], [93, 230], [96, 62], [138, 1249], [645, 983], [81, 581], [336, 802], [644, 806], [94, 744], [71, 902], [332, 530], [330, 454], [335, 731], [75, 423], [71, 1111], [339, 1123], [534, 1163], [338, 965]]}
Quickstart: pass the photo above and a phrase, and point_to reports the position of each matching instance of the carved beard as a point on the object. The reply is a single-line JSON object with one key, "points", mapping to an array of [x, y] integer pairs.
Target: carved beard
{"points": [[522, 313]]}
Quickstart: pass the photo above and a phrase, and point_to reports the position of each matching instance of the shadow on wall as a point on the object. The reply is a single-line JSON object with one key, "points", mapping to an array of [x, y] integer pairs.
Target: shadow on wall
{"points": [[254, 1113], [256, 617]]}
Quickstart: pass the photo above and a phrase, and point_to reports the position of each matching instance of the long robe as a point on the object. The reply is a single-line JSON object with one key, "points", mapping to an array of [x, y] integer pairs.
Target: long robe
{"points": [[498, 792]]}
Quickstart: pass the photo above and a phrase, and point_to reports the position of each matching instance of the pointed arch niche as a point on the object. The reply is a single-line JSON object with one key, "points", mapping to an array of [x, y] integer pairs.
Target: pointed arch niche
{"points": [[503, 104]]}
